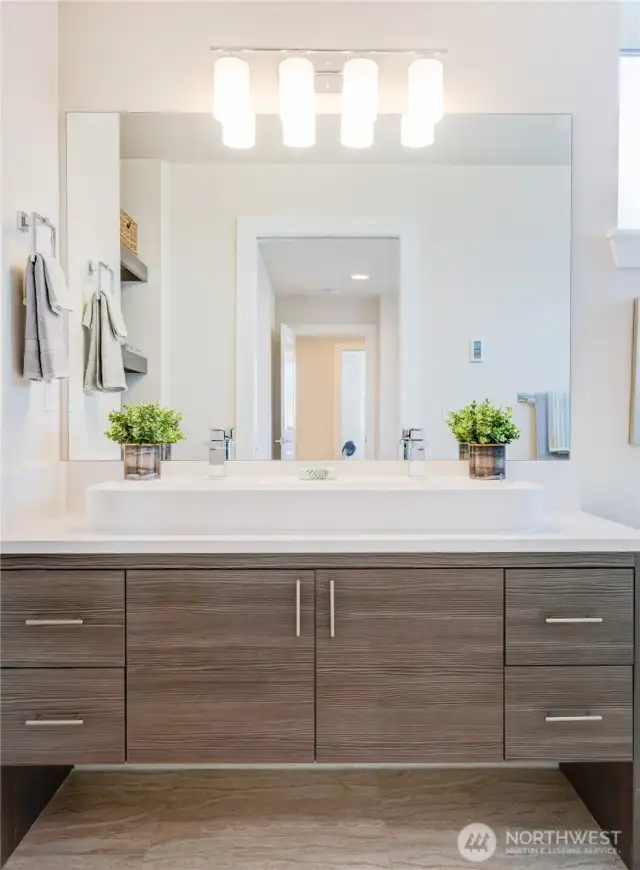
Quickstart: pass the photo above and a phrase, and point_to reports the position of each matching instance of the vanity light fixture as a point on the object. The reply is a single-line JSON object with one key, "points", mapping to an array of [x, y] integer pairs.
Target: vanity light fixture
{"points": [[232, 102], [359, 102], [356, 80], [296, 90], [425, 102]]}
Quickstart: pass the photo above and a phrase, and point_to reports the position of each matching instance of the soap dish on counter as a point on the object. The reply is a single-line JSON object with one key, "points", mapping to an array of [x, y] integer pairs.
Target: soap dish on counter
{"points": [[317, 472]]}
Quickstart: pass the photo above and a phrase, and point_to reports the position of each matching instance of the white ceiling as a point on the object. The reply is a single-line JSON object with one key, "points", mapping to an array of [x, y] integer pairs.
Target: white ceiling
{"points": [[311, 266], [499, 140]]}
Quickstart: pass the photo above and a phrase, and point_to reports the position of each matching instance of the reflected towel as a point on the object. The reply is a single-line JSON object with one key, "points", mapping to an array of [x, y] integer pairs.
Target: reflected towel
{"points": [[105, 369], [45, 352], [559, 421]]}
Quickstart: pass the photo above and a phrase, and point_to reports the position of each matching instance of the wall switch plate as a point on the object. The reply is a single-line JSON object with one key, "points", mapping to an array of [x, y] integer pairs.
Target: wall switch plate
{"points": [[476, 350]]}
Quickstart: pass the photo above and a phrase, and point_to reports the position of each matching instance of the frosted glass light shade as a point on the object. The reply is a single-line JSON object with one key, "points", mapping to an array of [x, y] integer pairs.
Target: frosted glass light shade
{"points": [[360, 88], [417, 131], [296, 88], [425, 88], [240, 132], [231, 88], [356, 131], [299, 130]]}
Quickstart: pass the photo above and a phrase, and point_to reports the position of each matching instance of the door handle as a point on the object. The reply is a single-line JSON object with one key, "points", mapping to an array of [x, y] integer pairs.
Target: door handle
{"points": [[297, 608], [584, 717], [332, 608]]}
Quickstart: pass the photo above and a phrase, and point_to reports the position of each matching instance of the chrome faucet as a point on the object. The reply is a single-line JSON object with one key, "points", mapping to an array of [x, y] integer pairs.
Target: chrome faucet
{"points": [[413, 445], [221, 446]]}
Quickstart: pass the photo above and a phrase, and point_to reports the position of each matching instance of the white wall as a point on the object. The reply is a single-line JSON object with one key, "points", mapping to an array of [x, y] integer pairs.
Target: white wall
{"points": [[502, 57], [629, 199], [93, 233], [494, 264], [32, 482], [144, 195]]}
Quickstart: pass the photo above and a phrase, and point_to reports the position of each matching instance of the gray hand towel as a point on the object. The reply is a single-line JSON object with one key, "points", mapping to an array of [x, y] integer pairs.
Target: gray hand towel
{"points": [[45, 352]]}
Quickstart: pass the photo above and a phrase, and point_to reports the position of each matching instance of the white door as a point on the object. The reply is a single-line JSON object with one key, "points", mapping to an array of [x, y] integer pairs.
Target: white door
{"points": [[287, 392]]}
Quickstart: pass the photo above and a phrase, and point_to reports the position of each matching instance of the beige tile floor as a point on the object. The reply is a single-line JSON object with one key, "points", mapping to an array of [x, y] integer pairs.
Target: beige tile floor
{"points": [[309, 819]]}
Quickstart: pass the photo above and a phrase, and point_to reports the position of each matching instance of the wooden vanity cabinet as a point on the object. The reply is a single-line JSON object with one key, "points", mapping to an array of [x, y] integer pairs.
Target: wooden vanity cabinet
{"points": [[409, 665], [220, 666]]}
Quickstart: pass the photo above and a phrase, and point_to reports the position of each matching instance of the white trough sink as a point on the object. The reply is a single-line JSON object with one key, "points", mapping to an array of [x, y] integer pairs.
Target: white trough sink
{"points": [[280, 506]]}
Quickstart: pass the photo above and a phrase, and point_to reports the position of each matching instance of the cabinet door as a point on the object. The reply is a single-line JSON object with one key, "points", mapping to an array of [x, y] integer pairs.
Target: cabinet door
{"points": [[409, 665], [220, 666]]}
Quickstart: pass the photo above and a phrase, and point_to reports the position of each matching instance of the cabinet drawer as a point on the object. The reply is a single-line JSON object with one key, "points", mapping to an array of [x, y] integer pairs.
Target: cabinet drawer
{"points": [[569, 617], [62, 618], [63, 716], [569, 714]]}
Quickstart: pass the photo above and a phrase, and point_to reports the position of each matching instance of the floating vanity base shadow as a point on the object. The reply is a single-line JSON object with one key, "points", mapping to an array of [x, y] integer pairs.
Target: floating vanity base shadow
{"points": [[329, 659]]}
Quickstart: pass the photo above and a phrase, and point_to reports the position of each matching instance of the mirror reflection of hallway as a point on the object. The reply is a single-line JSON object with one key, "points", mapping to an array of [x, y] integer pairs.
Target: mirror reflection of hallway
{"points": [[331, 397], [330, 305]]}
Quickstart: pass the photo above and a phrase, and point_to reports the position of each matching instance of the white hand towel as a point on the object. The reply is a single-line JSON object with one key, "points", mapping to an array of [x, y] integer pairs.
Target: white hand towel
{"points": [[105, 369], [58, 282]]}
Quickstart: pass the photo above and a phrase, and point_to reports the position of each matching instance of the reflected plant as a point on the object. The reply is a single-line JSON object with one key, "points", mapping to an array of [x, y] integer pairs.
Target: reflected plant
{"points": [[483, 423]]}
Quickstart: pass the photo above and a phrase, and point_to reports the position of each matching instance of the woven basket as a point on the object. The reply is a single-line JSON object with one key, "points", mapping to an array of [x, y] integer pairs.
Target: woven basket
{"points": [[129, 232]]}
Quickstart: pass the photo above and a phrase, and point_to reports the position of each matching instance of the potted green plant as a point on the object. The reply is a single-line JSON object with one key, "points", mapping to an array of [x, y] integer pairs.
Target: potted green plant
{"points": [[487, 429], [461, 424], [143, 430]]}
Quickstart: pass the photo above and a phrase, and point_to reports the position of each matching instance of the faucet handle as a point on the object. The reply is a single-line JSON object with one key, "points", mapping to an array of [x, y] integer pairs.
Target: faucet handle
{"points": [[221, 436], [412, 434]]}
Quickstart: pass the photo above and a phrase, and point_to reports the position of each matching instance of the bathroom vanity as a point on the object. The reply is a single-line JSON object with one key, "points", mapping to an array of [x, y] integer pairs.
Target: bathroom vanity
{"points": [[335, 659], [192, 651]]}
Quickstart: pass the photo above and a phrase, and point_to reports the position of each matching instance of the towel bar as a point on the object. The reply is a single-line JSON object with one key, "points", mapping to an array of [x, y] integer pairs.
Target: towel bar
{"points": [[28, 222]]}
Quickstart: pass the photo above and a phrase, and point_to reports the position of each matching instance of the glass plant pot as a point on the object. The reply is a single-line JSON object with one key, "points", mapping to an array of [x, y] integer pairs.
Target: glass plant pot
{"points": [[463, 450], [142, 461], [487, 461]]}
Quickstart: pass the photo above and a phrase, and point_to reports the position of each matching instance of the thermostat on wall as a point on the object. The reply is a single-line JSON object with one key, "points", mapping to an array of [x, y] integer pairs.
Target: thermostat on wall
{"points": [[476, 350]]}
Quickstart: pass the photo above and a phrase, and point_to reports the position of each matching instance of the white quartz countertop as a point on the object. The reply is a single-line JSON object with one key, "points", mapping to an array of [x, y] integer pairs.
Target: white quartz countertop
{"points": [[567, 532]]}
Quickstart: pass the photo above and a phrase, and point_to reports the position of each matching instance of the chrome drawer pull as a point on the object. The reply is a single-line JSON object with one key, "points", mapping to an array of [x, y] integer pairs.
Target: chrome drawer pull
{"points": [[583, 718], [54, 722], [556, 620], [54, 621], [297, 608], [332, 608]]}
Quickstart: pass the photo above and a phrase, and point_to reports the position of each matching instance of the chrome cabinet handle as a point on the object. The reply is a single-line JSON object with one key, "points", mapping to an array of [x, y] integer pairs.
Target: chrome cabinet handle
{"points": [[54, 621], [557, 620], [54, 722], [585, 717], [297, 608], [332, 608]]}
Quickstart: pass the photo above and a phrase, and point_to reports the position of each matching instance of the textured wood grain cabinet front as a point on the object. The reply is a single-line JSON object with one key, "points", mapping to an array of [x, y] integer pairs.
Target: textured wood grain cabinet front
{"points": [[409, 665], [220, 666], [296, 659]]}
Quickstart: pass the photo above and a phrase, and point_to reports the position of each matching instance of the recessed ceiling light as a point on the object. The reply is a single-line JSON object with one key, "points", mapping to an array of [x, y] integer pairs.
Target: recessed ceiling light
{"points": [[358, 277]]}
